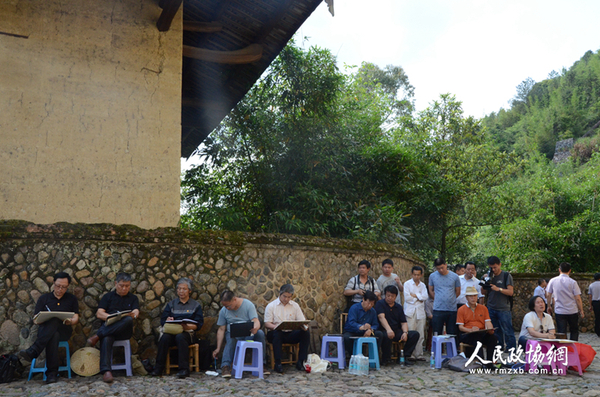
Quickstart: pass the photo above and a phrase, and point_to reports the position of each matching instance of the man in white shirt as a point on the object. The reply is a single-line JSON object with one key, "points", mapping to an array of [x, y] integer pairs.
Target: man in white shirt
{"points": [[540, 290], [415, 295], [285, 309], [594, 294], [567, 301], [389, 278], [469, 280]]}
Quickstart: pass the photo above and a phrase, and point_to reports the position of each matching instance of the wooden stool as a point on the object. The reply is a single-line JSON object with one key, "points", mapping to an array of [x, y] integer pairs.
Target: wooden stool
{"points": [[396, 347], [465, 346], [291, 352], [194, 359]]}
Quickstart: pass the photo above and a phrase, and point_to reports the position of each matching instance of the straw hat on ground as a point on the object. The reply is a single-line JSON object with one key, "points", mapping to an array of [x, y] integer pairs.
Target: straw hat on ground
{"points": [[86, 361]]}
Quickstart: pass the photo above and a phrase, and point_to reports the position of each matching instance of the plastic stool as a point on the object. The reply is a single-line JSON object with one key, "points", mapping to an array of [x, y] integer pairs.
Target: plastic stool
{"points": [[127, 365], [340, 359], [436, 347], [33, 369], [572, 359], [530, 349], [240, 354], [373, 351]]}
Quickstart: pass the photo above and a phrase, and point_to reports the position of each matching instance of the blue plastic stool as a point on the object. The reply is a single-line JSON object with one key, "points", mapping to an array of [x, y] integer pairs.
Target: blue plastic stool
{"points": [[436, 347], [340, 359], [67, 367], [239, 366], [127, 364], [373, 351]]}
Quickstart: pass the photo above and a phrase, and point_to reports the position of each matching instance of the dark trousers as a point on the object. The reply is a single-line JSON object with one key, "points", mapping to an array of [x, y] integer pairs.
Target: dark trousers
{"points": [[441, 317], [488, 340], [349, 343], [278, 338], [572, 320], [182, 341], [49, 334], [409, 345], [121, 330], [596, 307]]}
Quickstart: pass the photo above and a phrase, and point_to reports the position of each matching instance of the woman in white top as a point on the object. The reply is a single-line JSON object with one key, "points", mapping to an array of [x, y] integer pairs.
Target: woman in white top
{"points": [[536, 323]]}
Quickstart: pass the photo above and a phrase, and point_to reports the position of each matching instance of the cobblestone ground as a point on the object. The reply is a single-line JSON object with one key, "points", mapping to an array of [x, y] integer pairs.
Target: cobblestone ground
{"points": [[418, 380]]}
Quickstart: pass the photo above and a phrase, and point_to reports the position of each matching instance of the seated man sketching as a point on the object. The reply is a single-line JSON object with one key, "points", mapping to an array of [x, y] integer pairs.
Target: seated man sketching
{"points": [[472, 318], [235, 310], [285, 309], [53, 330], [393, 321], [181, 308], [362, 321], [117, 300]]}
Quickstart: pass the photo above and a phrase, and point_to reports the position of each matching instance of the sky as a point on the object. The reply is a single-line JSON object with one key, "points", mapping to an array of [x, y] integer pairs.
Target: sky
{"points": [[478, 50]]}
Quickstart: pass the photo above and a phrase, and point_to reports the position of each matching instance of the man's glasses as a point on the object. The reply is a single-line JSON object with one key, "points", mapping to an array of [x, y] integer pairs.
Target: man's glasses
{"points": [[60, 287]]}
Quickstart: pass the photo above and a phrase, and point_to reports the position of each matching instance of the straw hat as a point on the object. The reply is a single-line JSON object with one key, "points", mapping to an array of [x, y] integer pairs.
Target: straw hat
{"points": [[471, 291], [86, 361]]}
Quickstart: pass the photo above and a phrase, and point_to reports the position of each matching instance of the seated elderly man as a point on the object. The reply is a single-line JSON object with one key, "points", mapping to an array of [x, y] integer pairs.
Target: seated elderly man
{"points": [[362, 321], [285, 309], [393, 321], [54, 330], [118, 300], [235, 310], [471, 319], [189, 312]]}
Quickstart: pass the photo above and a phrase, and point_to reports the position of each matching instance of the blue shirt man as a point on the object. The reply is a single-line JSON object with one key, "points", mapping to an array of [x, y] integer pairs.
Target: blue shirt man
{"points": [[444, 286], [362, 321]]}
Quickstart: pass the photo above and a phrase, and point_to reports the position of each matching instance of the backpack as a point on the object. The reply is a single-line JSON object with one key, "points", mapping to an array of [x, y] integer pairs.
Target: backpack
{"points": [[8, 365], [510, 298], [349, 302]]}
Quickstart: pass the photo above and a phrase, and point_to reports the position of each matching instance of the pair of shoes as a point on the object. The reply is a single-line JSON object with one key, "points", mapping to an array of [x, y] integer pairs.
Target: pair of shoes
{"points": [[183, 373], [408, 363], [299, 366], [51, 378], [266, 371], [107, 377], [92, 340], [387, 363], [226, 371], [25, 356], [278, 368], [156, 372]]}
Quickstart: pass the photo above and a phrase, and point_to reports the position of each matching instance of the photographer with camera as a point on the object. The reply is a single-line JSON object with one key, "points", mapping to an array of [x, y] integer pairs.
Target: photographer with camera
{"points": [[498, 285]]}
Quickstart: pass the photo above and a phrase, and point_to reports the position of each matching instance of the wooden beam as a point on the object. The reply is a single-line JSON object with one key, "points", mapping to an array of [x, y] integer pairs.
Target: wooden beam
{"points": [[204, 104], [170, 8], [203, 27], [250, 54]]}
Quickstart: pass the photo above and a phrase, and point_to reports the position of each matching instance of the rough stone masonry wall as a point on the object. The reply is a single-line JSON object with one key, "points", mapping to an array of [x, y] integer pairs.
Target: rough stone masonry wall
{"points": [[90, 112], [253, 265]]}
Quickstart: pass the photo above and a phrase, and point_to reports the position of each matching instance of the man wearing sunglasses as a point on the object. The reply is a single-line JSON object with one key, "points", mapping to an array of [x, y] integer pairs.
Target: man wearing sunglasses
{"points": [[54, 330]]}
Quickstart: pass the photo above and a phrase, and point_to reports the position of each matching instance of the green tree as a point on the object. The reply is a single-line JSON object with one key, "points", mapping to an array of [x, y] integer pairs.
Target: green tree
{"points": [[299, 155], [461, 176]]}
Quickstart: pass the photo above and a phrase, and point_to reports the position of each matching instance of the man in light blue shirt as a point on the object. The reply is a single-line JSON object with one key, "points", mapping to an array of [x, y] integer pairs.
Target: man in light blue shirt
{"points": [[235, 310], [362, 321], [444, 286]]}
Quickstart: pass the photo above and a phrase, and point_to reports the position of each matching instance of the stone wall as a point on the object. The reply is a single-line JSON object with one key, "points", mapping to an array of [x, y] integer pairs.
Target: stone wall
{"points": [[90, 112], [525, 285], [253, 265]]}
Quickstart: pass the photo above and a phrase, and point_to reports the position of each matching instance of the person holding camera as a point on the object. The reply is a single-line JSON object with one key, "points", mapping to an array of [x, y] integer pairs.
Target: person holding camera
{"points": [[498, 285]]}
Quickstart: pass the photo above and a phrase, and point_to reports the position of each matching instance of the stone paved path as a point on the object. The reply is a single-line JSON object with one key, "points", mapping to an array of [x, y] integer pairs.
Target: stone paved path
{"points": [[418, 380]]}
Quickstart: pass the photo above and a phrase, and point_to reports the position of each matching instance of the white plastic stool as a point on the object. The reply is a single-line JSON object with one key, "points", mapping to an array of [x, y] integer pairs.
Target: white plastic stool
{"points": [[127, 365]]}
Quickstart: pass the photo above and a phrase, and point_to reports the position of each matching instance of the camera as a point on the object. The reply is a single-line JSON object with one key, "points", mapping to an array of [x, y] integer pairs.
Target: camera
{"points": [[485, 282]]}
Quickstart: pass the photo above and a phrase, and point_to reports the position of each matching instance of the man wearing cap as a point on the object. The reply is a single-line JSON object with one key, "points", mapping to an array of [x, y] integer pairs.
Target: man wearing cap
{"points": [[190, 313], [471, 319], [54, 330], [118, 300], [285, 309]]}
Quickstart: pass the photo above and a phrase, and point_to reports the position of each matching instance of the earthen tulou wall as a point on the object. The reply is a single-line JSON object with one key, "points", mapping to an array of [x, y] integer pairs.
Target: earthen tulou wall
{"points": [[253, 265]]}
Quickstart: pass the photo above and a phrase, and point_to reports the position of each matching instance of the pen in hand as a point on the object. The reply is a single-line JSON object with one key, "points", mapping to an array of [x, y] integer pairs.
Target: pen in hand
{"points": [[48, 308]]}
